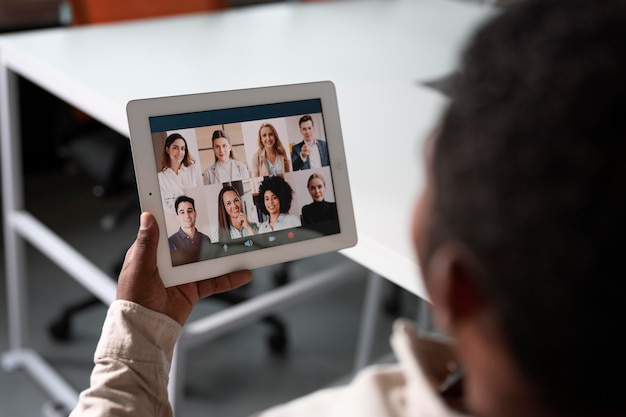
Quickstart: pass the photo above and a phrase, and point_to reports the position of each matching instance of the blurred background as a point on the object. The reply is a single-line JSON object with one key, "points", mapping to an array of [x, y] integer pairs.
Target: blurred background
{"points": [[79, 181], [73, 184]]}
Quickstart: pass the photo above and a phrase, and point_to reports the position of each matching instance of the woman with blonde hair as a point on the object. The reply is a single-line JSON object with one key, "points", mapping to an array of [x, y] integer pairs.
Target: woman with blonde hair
{"points": [[319, 210], [271, 158]]}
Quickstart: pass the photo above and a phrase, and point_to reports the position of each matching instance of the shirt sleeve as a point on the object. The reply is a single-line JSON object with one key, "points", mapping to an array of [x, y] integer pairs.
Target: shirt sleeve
{"points": [[296, 160], [132, 364], [402, 389]]}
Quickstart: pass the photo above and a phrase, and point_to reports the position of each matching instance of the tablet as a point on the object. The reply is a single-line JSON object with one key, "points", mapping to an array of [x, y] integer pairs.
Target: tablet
{"points": [[242, 179]]}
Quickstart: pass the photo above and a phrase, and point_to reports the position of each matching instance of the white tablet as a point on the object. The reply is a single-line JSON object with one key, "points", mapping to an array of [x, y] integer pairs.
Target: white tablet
{"points": [[242, 179]]}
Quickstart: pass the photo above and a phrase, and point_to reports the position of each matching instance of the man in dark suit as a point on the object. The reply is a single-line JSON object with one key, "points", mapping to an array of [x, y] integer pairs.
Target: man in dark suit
{"points": [[311, 152]]}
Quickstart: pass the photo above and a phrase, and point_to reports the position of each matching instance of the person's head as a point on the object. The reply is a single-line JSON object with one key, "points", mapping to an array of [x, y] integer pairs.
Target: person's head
{"points": [[317, 187], [185, 212], [175, 152], [307, 128], [270, 142], [229, 206], [520, 230], [275, 196], [221, 146], [268, 136]]}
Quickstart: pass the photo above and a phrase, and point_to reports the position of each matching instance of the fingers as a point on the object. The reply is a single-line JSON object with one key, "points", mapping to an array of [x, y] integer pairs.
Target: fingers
{"points": [[305, 150], [224, 283]]}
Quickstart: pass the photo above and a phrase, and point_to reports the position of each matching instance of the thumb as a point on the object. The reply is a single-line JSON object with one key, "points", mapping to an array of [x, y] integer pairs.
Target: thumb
{"points": [[139, 267], [145, 247]]}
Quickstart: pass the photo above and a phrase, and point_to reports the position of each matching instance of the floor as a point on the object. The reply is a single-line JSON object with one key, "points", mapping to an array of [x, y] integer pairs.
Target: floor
{"points": [[235, 375]]}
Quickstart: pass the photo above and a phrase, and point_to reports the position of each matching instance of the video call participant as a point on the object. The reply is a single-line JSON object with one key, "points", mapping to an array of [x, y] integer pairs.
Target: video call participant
{"points": [[188, 243], [319, 210], [233, 222], [271, 157], [274, 200], [178, 169], [518, 233], [310, 152], [226, 168]]}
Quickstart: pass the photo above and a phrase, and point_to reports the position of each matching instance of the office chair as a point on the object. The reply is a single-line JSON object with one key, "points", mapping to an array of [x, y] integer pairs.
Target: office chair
{"points": [[103, 11], [105, 155]]}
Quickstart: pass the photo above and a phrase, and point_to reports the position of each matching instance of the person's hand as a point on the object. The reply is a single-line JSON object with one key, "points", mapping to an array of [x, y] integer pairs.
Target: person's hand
{"points": [[304, 152], [140, 282], [243, 221]]}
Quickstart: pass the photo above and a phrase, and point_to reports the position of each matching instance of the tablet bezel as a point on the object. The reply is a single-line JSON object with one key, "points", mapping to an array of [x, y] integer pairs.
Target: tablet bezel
{"points": [[139, 112]]}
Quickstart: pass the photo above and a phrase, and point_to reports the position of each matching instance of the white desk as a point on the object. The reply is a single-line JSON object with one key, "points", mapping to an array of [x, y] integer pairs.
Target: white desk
{"points": [[374, 51]]}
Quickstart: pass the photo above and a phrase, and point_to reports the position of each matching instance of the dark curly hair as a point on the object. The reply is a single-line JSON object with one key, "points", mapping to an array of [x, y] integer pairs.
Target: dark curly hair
{"points": [[278, 186], [529, 173]]}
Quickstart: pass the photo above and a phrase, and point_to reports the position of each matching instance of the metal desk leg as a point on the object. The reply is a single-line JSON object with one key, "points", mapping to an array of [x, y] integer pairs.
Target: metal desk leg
{"points": [[19, 356], [424, 317], [367, 332], [12, 200], [224, 321]]}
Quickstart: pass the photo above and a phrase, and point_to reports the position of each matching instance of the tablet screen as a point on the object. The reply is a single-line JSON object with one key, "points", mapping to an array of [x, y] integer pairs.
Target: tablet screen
{"points": [[240, 179]]}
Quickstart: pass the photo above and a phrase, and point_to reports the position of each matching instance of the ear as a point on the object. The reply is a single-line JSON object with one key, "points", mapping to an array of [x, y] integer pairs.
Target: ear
{"points": [[453, 283]]}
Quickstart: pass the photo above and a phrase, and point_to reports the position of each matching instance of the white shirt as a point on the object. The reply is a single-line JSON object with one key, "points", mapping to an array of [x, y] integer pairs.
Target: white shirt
{"points": [[277, 167], [172, 185], [235, 233], [220, 173], [315, 160], [284, 221]]}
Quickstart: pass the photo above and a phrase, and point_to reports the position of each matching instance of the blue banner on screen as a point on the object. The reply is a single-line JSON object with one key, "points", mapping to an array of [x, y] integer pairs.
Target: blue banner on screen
{"points": [[234, 115]]}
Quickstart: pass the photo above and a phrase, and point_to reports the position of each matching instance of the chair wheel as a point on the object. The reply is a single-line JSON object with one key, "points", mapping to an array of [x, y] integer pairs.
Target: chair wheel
{"points": [[277, 342], [61, 329], [54, 410], [392, 307], [108, 222], [281, 277], [393, 303]]}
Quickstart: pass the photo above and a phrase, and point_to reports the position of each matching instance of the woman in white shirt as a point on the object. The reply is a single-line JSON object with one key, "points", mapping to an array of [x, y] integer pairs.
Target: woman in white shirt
{"points": [[225, 168], [178, 169], [271, 157], [274, 200]]}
